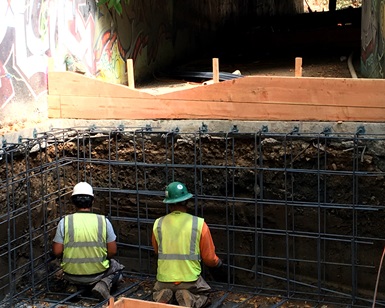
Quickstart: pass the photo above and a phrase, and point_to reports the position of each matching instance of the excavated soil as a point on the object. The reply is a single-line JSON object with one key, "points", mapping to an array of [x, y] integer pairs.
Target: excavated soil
{"points": [[241, 184]]}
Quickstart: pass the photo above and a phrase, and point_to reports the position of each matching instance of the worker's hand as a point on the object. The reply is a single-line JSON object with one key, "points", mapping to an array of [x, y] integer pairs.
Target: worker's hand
{"points": [[220, 272], [51, 256]]}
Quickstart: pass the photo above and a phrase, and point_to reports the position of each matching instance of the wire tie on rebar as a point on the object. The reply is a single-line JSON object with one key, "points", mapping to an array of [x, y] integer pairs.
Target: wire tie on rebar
{"points": [[295, 130], [203, 128], [264, 129], [234, 129], [20, 139], [34, 133], [4, 142], [360, 130], [92, 127], [121, 127], [175, 130], [148, 128], [327, 131]]}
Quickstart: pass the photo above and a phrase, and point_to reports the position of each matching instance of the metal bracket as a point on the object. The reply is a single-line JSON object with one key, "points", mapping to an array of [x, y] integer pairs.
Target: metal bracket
{"points": [[327, 131], [295, 130], [264, 129], [234, 129], [360, 130], [203, 128]]}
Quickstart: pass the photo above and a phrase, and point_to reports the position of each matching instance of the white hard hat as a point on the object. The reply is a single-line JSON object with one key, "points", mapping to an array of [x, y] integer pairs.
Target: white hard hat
{"points": [[83, 188]]}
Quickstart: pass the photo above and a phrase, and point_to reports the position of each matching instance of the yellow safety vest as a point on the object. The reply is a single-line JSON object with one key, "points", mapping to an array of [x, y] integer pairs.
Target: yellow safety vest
{"points": [[178, 236], [85, 244]]}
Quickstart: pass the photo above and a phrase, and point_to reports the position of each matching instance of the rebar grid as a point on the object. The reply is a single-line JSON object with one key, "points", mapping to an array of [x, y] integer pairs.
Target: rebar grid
{"points": [[293, 214]]}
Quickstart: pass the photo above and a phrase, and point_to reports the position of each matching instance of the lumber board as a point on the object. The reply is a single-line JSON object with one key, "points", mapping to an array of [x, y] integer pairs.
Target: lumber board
{"points": [[142, 109], [72, 95], [70, 83], [54, 106], [130, 302], [325, 91]]}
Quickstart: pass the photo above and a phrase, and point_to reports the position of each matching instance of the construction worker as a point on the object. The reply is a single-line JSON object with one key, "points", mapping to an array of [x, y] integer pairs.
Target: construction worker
{"points": [[86, 242], [181, 241]]}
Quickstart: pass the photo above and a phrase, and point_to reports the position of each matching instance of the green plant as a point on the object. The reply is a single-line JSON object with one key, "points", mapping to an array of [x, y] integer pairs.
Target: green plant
{"points": [[113, 4]]}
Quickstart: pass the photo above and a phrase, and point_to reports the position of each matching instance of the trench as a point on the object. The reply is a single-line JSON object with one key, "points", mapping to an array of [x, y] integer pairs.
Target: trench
{"points": [[297, 216]]}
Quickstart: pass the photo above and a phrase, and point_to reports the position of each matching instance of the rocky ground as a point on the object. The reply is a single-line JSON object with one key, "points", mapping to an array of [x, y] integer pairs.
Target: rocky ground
{"points": [[141, 289]]}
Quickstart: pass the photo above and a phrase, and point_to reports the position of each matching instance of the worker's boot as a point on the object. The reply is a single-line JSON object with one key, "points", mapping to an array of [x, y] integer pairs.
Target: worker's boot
{"points": [[71, 288], [184, 298], [101, 290], [163, 296]]}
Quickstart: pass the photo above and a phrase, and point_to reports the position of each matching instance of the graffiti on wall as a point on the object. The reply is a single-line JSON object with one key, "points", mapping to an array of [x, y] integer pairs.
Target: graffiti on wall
{"points": [[33, 30], [140, 34], [373, 39], [22, 43]]}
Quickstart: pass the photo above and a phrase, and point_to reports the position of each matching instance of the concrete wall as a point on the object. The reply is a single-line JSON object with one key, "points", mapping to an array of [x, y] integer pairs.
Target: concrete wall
{"points": [[373, 39], [78, 35]]}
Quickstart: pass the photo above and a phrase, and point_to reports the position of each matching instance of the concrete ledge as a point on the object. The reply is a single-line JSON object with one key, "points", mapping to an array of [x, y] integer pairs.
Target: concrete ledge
{"points": [[191, 126]]}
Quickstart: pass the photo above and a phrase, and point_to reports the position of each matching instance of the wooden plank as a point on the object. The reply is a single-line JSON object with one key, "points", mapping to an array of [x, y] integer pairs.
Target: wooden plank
{"points": [[54, 106], [70, 83], [215, 70], [130, 302], [85, 107], [130, 73], [332, 91], [298, 67], [73, 95], [118, 108]]}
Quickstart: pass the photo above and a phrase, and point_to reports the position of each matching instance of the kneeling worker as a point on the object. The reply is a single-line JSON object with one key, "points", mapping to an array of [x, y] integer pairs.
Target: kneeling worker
{"points": [[181, 241], [86, 242]]}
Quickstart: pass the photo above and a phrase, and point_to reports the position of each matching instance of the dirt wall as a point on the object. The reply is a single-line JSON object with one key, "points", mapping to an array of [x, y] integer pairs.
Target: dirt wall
{"points": [[284, 210]]}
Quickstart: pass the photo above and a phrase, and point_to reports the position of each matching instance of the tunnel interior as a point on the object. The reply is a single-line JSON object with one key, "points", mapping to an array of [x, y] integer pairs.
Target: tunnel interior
{"points": [[296, 216], [254, 44]]}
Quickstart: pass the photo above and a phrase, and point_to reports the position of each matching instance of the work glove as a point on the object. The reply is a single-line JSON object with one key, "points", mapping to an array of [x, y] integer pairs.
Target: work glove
{"points": [[219, 272], [52, 256]]}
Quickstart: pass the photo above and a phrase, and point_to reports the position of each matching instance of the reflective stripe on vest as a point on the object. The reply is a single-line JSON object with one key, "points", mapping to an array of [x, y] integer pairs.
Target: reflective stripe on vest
{"points": [[191, 256], [85, 247]]}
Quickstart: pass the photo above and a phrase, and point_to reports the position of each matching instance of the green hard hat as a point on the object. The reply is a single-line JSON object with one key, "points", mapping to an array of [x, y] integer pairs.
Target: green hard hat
{"points": [[176, 192]]}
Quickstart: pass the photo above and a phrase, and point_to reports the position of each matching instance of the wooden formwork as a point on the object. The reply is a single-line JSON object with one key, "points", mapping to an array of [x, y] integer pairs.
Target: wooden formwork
{"points": [[130, 302], [267, 98]]}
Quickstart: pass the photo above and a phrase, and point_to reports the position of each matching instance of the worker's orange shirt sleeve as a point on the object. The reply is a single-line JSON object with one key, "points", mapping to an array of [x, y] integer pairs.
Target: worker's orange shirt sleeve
{"points": [[207, 248], [154, 243]]}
